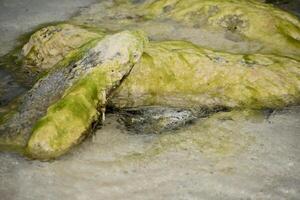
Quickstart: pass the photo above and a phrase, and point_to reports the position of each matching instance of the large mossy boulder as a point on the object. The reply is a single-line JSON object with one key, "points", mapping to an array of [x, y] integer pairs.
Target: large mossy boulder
{"points": [[69, 119]]}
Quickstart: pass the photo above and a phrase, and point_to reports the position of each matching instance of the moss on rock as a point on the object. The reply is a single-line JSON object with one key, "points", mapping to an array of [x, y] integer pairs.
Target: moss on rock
{"points": [[180, 74], [20, 115], [43, 48], [51, 44], [68, 120]]}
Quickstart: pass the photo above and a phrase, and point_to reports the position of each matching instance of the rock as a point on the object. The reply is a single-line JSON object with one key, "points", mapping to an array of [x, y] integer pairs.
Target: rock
{"points": [[51, 44], [44, 49], [182, 75], [158, 119], [61, 108], [35, 102], [68, 120], [149, 120]]}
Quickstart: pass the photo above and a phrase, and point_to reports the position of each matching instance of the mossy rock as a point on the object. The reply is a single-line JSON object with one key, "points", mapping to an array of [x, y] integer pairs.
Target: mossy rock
{"points": [[181, 74], [43, 48], [51, 44], [68, 120]]}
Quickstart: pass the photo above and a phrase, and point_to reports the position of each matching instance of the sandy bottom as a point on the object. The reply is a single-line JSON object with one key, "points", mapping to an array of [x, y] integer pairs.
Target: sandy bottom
{"points": [[224, 158]]}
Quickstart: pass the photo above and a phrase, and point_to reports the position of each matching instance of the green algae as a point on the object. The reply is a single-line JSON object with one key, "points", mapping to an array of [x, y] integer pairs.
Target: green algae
{"points": [[72, 57], [187, 76]]}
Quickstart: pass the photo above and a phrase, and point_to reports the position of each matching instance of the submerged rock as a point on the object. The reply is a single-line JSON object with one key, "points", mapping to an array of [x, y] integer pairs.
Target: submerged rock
{"points": [[158, 119]]}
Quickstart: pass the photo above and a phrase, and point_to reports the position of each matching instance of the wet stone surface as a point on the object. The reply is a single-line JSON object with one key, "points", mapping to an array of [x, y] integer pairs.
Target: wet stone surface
{"points": [[154, 120]]}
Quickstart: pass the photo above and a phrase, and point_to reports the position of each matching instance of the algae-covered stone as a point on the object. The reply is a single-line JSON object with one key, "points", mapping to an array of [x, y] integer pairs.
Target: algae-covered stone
{"points": [[51, 44], [147, 120], [38, 53], [33, 105], [236, 26], [68, 120], [182, 75]]}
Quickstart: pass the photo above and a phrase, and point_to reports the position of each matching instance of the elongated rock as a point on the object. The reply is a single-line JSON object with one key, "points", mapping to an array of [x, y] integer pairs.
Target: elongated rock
{"points": [[119, 51], [16, 126], [182, 75], [67, 121]]}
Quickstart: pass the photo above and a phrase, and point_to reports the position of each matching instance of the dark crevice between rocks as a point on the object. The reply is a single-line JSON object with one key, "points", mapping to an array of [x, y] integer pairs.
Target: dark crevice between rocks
{"points": [[158, 119]]}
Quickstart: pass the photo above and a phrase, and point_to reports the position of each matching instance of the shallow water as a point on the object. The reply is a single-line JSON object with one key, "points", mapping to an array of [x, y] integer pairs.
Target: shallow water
{"points": [[214, 158], [258, 159]]}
